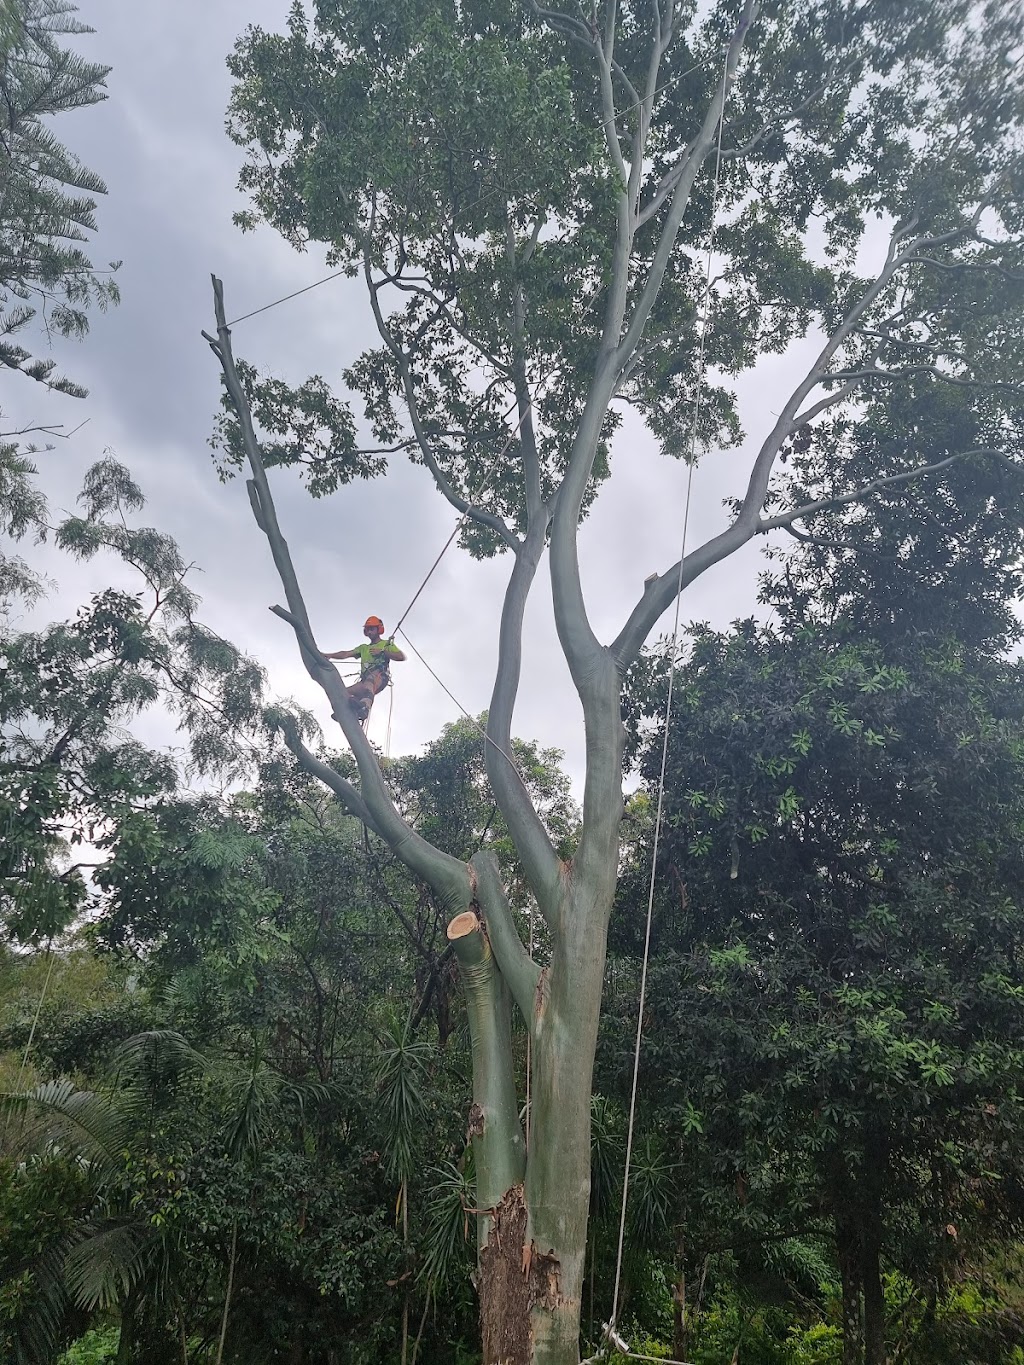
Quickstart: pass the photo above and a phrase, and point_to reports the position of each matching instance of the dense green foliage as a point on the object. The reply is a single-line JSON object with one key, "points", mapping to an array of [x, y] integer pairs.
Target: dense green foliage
{"points": [[837, 989], [460, 157], [320, 1081], [246, 1088], [67, 765], [46, 212]]}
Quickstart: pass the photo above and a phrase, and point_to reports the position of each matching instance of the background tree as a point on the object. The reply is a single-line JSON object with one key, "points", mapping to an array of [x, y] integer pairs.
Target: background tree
{"points": [[66, 764], [47, 206], [841, 875], [523, 191], [47, 211]]}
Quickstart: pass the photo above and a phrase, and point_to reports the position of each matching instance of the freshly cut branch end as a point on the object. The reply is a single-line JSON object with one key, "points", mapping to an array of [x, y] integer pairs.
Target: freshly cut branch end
{"points": [[463, 925]]}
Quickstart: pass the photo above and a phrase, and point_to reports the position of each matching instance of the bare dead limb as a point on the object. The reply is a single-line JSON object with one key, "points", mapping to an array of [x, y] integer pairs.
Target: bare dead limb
{"points": [[449, 877], [785, 520]]}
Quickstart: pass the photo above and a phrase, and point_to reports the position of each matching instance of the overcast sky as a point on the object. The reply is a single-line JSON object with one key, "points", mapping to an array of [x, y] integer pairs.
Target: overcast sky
{"points": [[160, 145]]}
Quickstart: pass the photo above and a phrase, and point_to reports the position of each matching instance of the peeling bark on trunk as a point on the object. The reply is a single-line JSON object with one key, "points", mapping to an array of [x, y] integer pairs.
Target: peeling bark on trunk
{"points": [[493, 1121], [514, 1279], [533, 1231]]}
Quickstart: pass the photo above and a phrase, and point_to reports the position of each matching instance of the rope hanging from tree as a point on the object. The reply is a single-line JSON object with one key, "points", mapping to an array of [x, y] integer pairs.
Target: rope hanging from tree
{"points": [[613, 1340]]}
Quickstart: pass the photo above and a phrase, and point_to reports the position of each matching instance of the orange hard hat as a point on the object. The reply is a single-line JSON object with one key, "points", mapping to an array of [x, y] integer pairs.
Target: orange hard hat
{"points": [[373, 621]]}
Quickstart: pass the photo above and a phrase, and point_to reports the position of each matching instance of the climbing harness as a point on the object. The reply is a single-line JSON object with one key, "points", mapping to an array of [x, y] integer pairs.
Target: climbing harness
{"points": [[613, 1340]]}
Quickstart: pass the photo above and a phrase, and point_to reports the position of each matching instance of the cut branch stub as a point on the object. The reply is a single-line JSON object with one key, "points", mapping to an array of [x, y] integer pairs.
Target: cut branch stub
{"points": [[466, 937]]}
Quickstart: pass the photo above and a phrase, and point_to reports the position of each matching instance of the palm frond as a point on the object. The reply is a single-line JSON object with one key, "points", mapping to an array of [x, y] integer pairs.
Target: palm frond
{"points": [[652, 1183], [402, 1070], [148, 1059], [108, 1263], [92, 1126], [37, 1333], [607, 1153], [449, 1239]]}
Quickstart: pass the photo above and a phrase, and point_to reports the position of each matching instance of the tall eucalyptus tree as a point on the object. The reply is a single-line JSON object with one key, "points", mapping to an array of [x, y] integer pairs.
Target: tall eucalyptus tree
{"points": [[526, 191]]}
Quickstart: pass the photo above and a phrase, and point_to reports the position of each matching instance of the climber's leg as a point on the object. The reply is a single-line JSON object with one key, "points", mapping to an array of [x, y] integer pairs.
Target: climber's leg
{"points": [[360, 696]]}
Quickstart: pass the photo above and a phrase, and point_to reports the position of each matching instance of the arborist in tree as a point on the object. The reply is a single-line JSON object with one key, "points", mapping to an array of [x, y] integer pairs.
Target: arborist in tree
{"points": [[375, 666]]}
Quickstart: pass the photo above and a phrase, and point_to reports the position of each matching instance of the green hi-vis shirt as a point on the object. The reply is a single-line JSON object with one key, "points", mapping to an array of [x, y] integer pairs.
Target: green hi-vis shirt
{"points": [[373, 657]]}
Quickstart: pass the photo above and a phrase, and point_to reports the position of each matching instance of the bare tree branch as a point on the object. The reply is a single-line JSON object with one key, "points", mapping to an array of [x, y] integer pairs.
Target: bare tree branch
{"points": [[824, 541], [776, 124], [527, 436], [426, 450], [785, 519], [540, 862], [582, 649], [442, 309], [572, 27], [448, 876], [517, 967], [993, 266], [660, 591], [315, 767], [695, 158], [873, 372]]}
